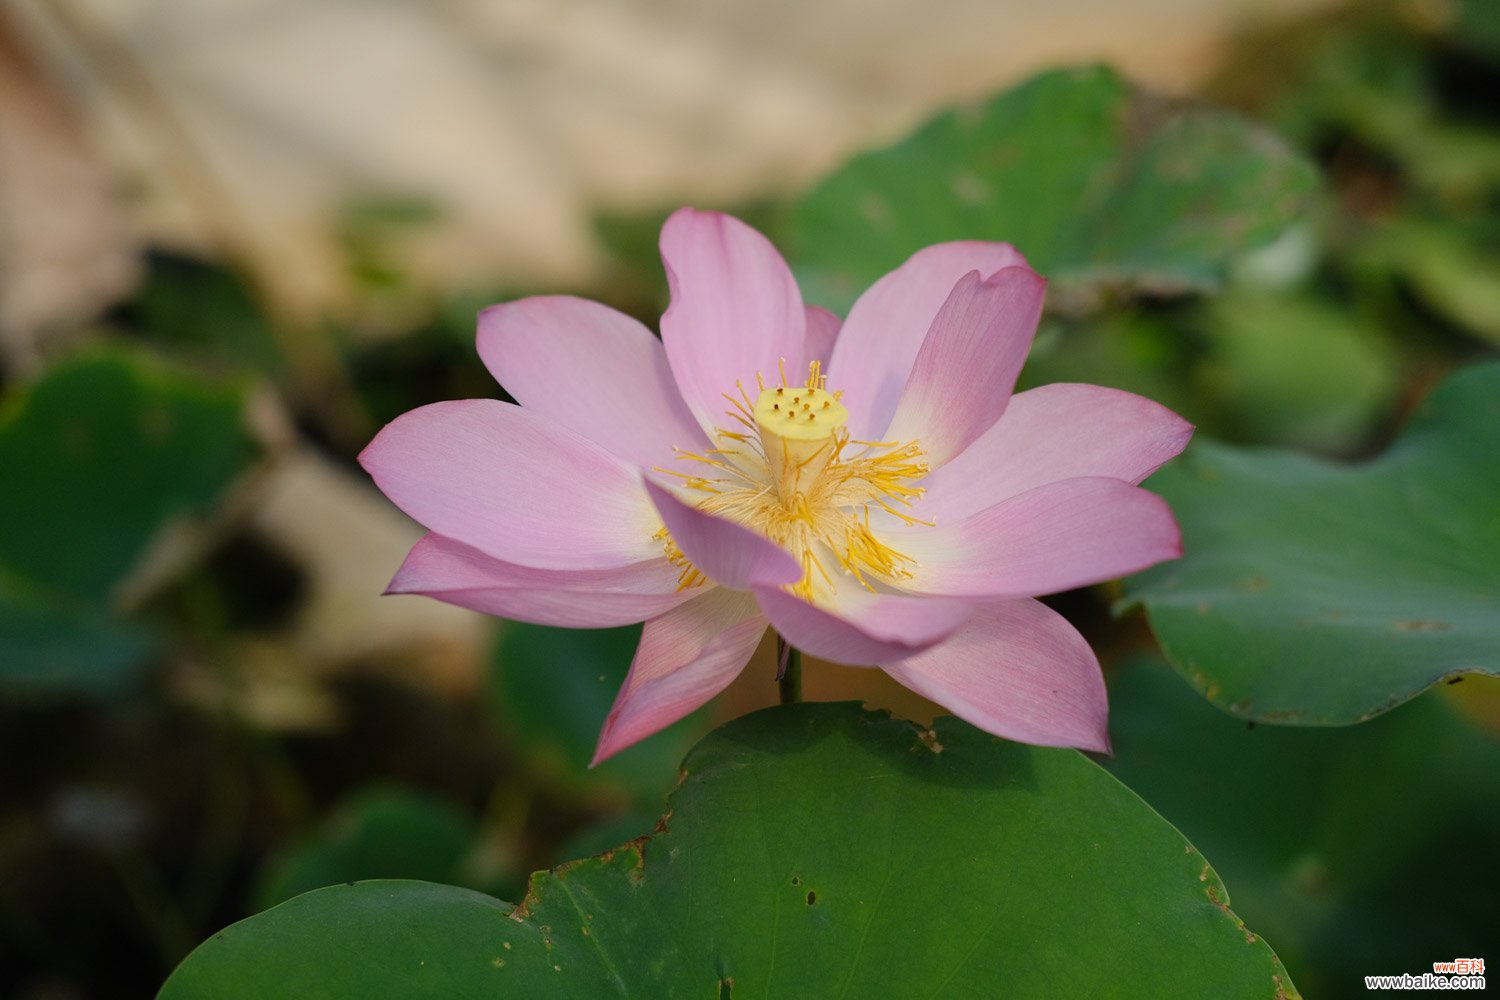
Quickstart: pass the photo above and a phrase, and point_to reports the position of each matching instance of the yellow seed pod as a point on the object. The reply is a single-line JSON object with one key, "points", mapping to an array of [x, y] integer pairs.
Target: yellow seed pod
{"points": [[798, 413]]}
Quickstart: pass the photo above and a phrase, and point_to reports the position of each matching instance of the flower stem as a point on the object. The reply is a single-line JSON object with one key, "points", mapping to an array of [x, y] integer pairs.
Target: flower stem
{"points": [[788, 672]]}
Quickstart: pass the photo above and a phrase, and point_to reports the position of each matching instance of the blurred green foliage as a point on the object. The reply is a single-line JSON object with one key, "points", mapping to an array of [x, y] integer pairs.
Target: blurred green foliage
{"points": [[1099, 185], [380, 833], [199, 310], [1314, 594], [371, 229], [100, 455], [51, 647]]}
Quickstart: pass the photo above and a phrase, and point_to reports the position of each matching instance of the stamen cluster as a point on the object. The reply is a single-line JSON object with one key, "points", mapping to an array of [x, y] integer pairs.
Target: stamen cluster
{"points": [[795, 475]]}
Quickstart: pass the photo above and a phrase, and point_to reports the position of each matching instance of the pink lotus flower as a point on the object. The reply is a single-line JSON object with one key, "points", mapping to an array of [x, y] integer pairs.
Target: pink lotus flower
{"points": [[711, 484]]}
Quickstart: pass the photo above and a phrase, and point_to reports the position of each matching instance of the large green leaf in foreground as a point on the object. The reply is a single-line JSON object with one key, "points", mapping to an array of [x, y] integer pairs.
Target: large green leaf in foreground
{"points": [[1319, 595], [810, 851], [1098, 184]]}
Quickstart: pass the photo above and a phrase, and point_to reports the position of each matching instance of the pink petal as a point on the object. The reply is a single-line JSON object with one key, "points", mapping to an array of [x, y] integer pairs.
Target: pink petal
{"points": [[967, 367], [735, 310], [728, 554], [1019, 670], [686, 656], [822, 331], [592, 370], [1056, 432], [514, 485], [451, 571], [860, 628], [879, 341], [1053, 538]]}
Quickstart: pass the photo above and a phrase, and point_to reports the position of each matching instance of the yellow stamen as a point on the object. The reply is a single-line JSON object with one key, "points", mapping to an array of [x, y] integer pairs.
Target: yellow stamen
{"points": [[803, 482], [688, 575]]}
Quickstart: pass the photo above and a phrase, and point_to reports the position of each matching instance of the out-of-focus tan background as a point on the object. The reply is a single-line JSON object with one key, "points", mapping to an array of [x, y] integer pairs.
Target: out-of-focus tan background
{"points": [[244, 125], [245, 129]]}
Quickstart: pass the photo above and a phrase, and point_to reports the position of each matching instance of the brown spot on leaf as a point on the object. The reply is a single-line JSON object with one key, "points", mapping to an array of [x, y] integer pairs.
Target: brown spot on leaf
{"points": [[1213, 897], [1421, 625]]}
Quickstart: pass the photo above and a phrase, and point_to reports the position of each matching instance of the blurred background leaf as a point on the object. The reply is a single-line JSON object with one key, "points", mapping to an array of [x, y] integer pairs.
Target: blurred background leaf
{"points": [[1294, 368], [196, 309], [1477, 25], [1452, 270], [1101, 186], [103, 453], [1318, 595], [51, 647], [100, 456], [379, 833], [1250, 364]]}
